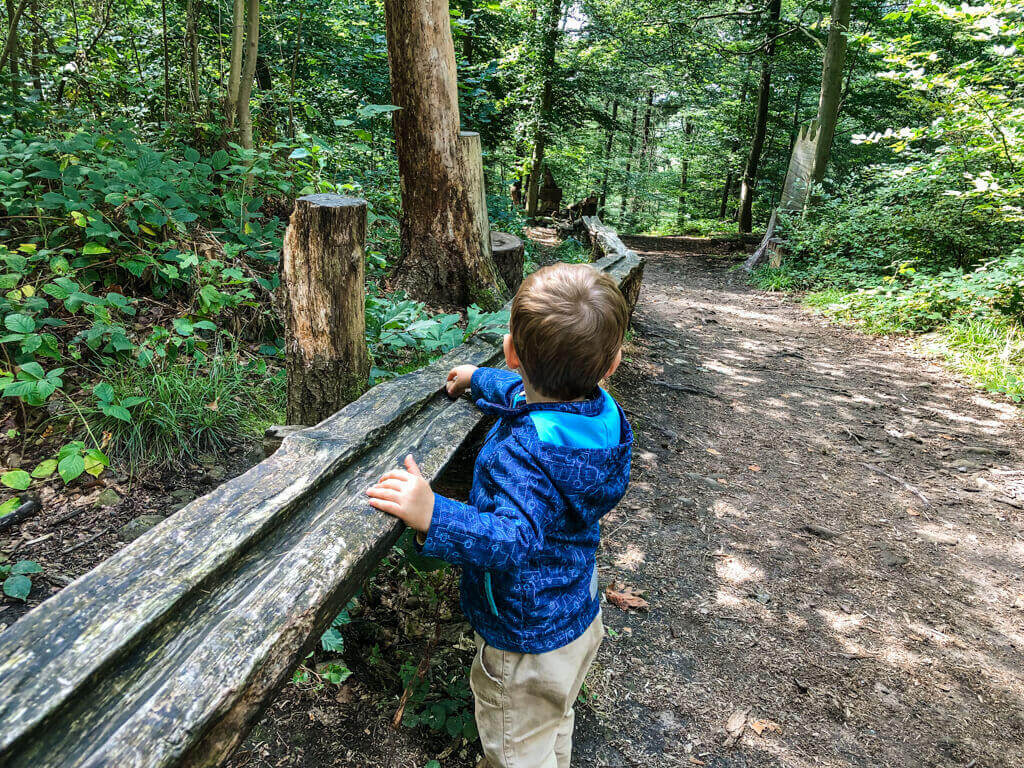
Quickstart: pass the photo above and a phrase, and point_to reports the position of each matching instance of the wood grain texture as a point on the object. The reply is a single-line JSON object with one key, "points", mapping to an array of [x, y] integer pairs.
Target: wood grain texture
{"points": [[165, 654]]}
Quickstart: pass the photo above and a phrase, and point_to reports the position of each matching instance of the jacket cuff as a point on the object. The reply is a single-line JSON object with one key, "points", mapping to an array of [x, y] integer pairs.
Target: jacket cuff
{"points": [[433, 546]]}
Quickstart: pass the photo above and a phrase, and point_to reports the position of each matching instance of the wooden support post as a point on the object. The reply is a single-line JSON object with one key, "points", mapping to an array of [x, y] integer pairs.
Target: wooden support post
{"points": [[325, 322], [508, 252]]}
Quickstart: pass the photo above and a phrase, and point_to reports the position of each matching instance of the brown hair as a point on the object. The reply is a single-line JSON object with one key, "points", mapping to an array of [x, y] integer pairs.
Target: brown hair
{"points": [[568, 322]]}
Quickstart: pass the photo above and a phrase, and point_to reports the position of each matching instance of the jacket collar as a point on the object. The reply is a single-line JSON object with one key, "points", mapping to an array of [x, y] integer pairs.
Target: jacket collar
{"points": [[588, 407]]}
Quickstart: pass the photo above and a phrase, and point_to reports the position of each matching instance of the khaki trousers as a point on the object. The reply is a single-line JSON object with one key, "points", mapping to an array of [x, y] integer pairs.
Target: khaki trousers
{"points": [[524, 701]]}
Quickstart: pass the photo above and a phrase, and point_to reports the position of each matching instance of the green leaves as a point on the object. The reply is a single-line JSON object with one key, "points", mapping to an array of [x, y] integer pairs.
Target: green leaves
{"points": [[18, 479], [19, 323], [32, 384], [18, 584]]}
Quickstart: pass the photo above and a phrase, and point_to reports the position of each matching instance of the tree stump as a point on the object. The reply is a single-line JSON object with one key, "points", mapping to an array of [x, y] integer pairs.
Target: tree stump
{"points": [[325, 323], [472, 161], [508, 252]]}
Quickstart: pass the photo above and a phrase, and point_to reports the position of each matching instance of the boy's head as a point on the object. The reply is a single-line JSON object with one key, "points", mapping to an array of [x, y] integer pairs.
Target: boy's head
{"points": [[567, 326]]}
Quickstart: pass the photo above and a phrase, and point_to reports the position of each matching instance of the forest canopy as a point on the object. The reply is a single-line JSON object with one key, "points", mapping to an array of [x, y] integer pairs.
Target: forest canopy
{"points": [[152, 151]]}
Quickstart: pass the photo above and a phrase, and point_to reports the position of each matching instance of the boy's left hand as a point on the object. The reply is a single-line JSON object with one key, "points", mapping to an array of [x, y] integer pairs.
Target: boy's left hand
{"points": [[405, 494]]}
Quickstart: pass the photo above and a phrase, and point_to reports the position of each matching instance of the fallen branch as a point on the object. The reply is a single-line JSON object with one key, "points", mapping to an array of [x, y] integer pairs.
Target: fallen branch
{"points": [[421, 670], [90, 540], [898, 480], [26, 510]]}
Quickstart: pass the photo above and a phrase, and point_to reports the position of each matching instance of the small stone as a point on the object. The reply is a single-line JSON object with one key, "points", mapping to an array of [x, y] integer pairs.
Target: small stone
{"points": [[135, 528], [207, 459], [216, 474], [108, 498]]}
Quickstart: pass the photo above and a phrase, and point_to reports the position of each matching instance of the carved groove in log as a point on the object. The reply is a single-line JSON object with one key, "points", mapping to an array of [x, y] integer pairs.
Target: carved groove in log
{"points": [[165, 654], [606, 243]]}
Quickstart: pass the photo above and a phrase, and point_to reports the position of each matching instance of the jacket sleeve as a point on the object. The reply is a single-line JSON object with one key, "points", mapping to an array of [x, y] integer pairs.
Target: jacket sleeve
{"points": [[503, 537], [494, 385]]}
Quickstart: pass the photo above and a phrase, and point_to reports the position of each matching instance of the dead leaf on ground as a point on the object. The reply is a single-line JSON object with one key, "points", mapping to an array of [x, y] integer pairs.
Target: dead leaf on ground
{"points": [[754, 468], [734, 726], [625, 596], [760, 726], [713, 452]]}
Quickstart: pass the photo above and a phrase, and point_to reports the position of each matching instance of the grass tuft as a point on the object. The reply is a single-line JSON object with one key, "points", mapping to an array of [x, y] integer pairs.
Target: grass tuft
{"points": [[191, 407]]}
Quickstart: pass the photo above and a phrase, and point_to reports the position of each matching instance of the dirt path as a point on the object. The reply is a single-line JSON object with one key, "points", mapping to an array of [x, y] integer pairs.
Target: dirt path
{"points": [[829, 532]]}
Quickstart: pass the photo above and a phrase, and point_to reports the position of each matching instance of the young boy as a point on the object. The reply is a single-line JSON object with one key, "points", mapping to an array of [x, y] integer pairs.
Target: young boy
{"points": [[556, 461]]}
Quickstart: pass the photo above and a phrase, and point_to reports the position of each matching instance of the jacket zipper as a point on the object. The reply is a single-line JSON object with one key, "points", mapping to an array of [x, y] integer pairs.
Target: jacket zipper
{"points": [[489, 592]]}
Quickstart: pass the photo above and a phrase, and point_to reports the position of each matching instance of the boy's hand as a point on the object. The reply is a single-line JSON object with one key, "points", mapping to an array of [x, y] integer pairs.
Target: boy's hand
{"points": [[405, 494], [458, 380]]}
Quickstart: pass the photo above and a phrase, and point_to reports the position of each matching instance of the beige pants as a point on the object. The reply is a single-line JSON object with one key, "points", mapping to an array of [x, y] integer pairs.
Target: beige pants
{"points": [[524, 700]]}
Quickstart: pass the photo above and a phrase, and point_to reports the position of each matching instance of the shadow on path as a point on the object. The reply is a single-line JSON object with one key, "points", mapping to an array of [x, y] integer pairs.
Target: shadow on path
{"points": [[829, 532]]}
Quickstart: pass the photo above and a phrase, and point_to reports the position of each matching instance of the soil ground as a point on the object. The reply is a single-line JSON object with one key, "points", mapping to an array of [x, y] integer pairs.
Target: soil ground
{"points": [[828, 529]]}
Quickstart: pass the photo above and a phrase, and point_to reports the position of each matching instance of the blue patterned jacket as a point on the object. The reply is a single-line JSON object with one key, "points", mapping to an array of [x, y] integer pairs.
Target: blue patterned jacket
{"points": [[528, 538]]}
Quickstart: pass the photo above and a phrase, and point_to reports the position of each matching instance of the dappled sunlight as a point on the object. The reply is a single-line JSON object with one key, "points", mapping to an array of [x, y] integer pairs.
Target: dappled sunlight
{"points": [[735, 571]]}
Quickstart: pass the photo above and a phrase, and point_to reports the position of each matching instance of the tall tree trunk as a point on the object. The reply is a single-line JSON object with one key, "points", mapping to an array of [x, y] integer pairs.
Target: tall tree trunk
{"points": [[760, 121], [549, 47], [627, 181], [192, 45], [831, 87], [252, 47], [608, 158], [235, 64], [442, 261], [467, 40], [684, 171], [735, 146], [645, 141]]}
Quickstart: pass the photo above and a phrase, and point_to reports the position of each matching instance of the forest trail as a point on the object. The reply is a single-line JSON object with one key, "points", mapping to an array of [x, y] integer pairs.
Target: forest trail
{"points": [[829, 532]]}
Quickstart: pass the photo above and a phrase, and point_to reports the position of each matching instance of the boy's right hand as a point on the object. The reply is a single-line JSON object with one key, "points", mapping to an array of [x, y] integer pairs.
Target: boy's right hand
{"points": [[459, 378]]}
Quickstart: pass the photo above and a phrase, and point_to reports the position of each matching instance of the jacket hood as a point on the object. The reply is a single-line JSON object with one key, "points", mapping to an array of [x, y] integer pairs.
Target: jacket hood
{"points": [[590, 480]]}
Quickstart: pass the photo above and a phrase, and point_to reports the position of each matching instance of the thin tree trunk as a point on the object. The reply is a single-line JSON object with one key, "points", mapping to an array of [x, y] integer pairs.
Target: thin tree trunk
{"points": [[192, 44], [831, 87], [645, 141], [235, 64], [724, 209], [467, 40], [797, 110], [37, 42], [627, 181], [684, 171], [291, 77], [760, 122], [608, 157], [13, 52], [442, 260], [167, 61], [549, 47], [252, 47], [11, 44]]}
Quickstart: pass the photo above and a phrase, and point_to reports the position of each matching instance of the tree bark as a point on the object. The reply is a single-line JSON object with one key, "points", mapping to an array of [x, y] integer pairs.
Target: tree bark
{"points": [[442, 259], [252, 47], [831, 87], [549, 47], [471, 160], [322, 272], [608, 158], [760, 121], [166, 58], [235, 65], [724, 208]]}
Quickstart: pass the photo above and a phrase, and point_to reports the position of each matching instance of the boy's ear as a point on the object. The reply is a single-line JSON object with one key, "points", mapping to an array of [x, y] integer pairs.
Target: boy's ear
{"points": [[615, 363], [511, 358]]}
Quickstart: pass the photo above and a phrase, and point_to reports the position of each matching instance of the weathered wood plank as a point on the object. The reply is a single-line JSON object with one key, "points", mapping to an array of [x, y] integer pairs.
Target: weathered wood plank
{"points": [[165, 654]]}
